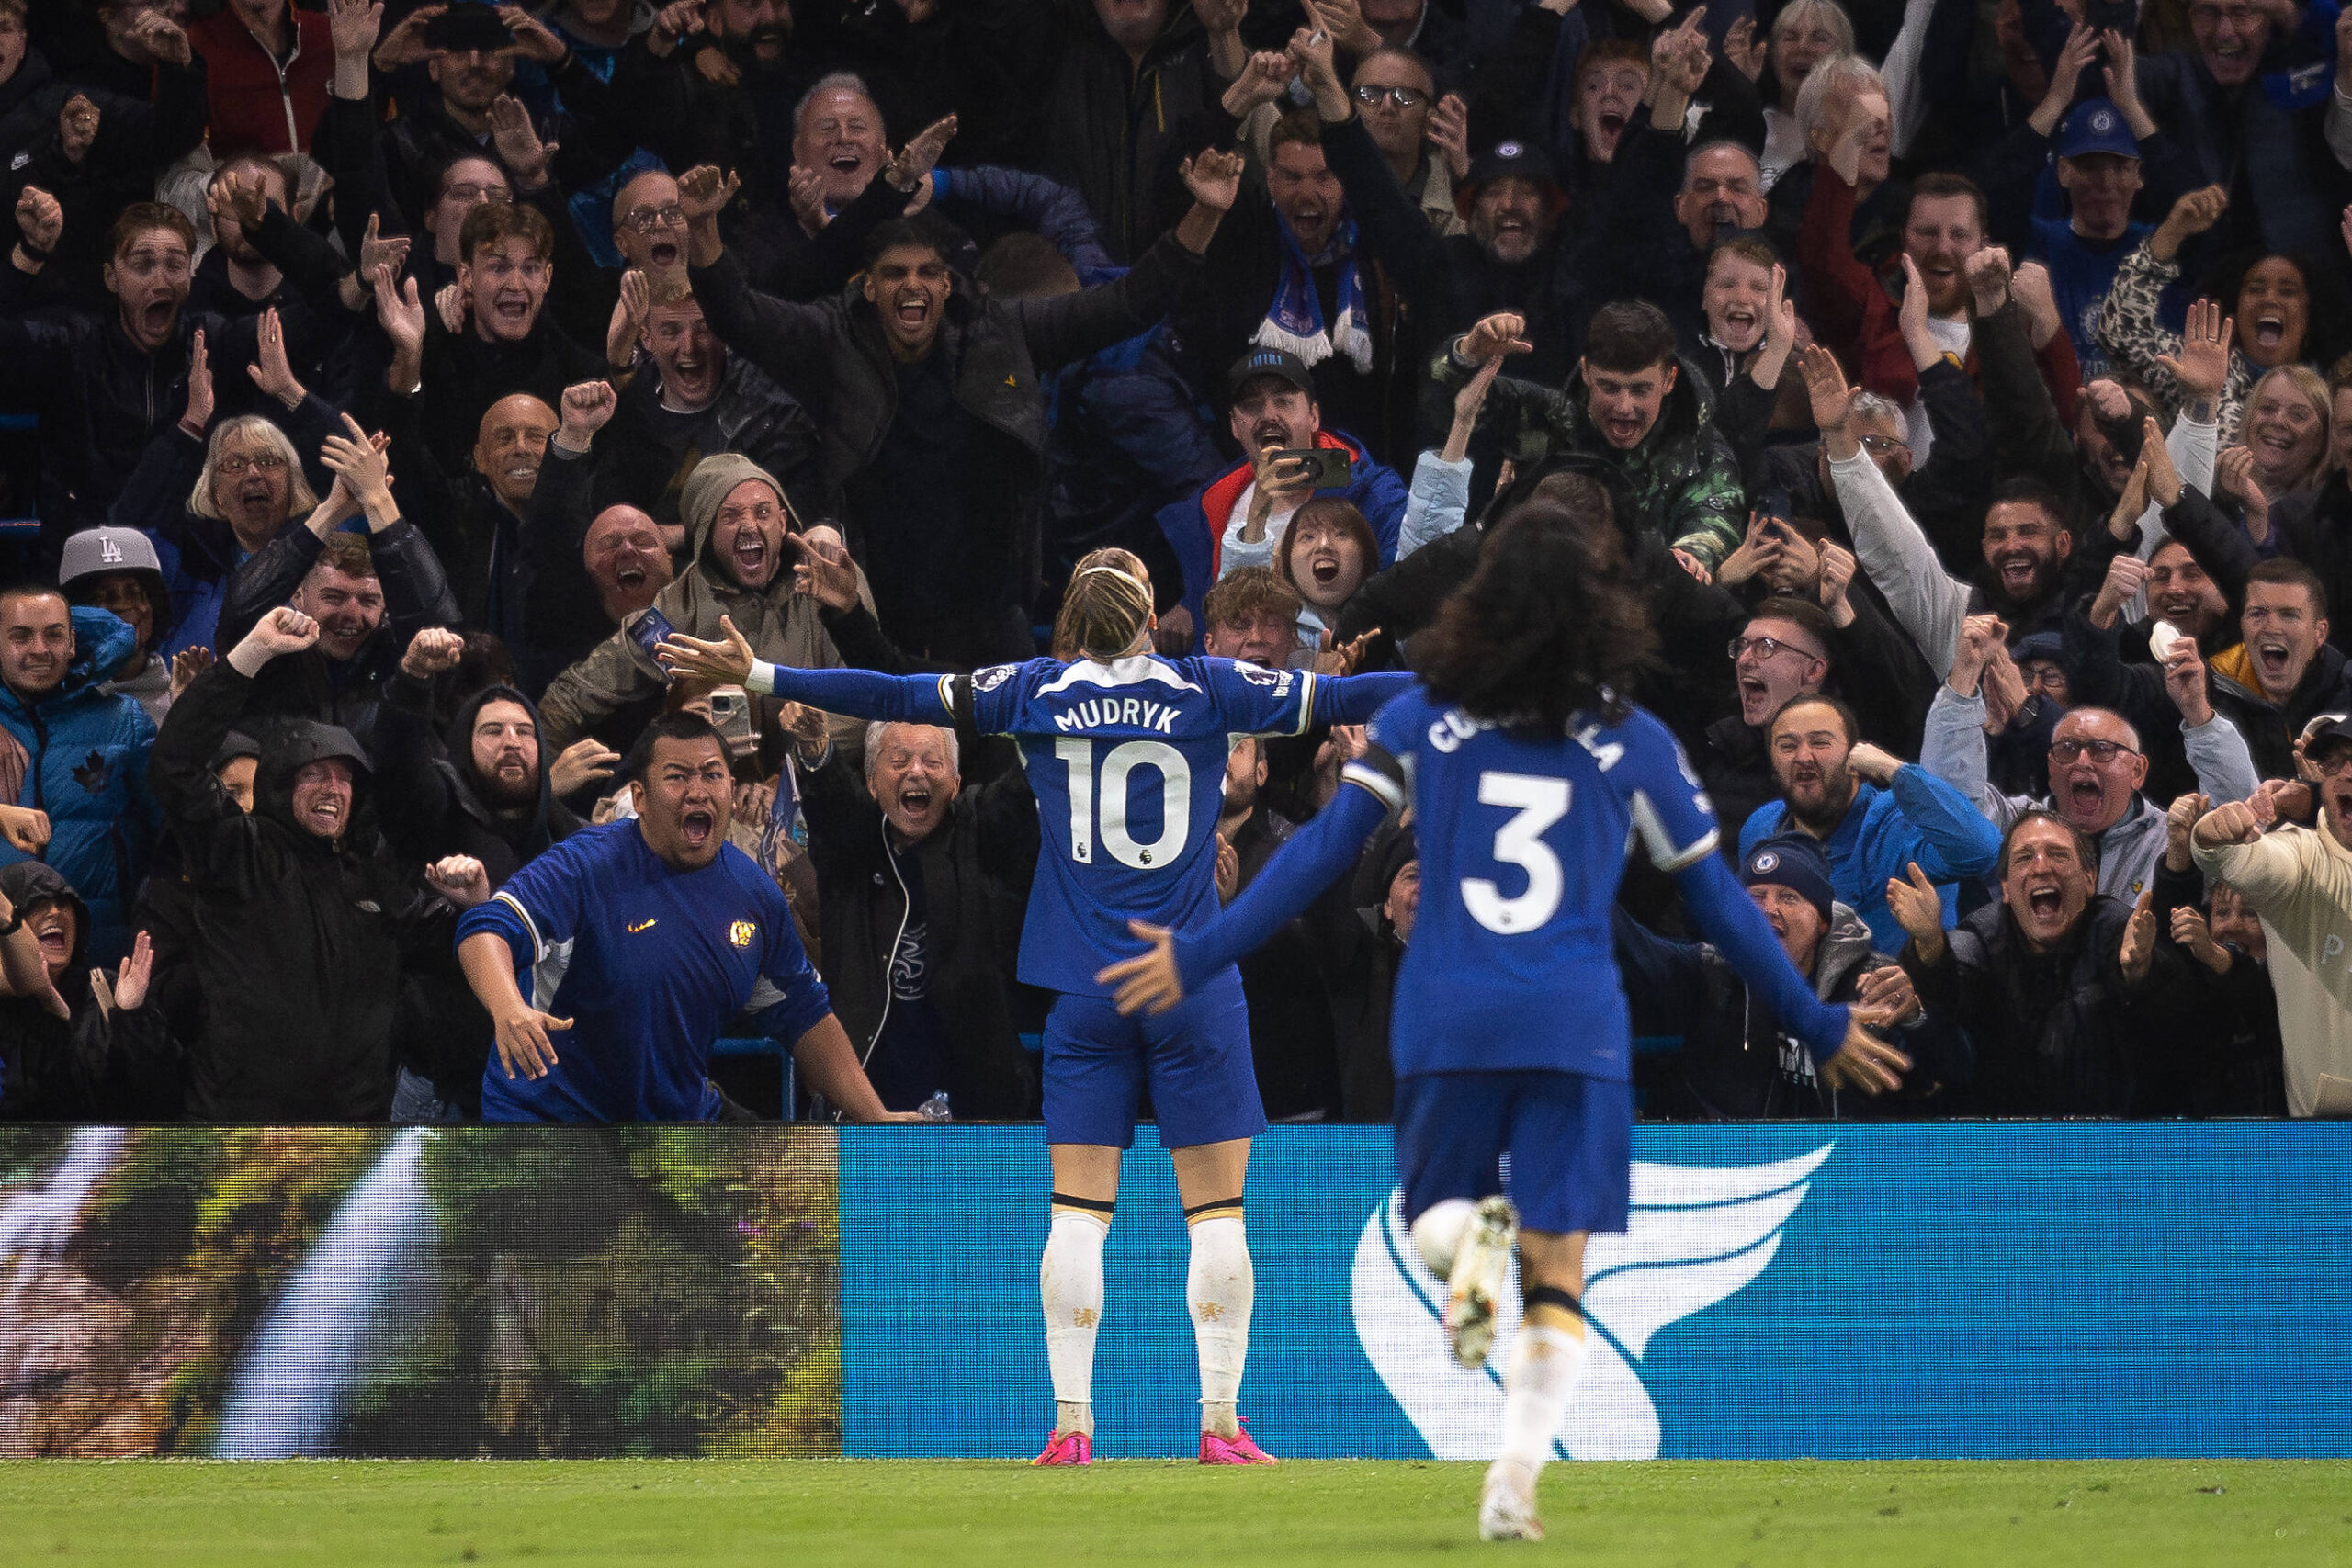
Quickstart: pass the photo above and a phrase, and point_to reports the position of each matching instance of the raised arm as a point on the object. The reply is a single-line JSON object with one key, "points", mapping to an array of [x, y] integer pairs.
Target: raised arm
{"points": [[1310, 861], [860, 694], [1843, 1049]]}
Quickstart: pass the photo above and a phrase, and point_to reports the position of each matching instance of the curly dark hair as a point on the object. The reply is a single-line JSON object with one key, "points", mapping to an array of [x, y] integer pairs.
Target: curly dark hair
{"points": [[1550, 626]]}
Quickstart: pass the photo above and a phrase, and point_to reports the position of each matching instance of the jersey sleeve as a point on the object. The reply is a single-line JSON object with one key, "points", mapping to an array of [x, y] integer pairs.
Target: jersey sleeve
{"points": [[546, 896], [994, 696], [1662, 793], [790, 1000], [1385, 769], [1252, 699]]}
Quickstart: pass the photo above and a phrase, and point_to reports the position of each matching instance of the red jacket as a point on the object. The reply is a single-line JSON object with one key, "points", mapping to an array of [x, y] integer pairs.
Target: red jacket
{"points": [[1856, 318], [258, 104]]}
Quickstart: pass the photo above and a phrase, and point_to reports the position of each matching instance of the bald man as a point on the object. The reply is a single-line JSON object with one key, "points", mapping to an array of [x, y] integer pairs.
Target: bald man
{"points": [[478, 530]]}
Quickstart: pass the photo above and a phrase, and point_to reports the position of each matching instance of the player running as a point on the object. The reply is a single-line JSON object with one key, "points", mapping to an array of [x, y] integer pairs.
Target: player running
{"points": [[1126, 752], [1529, 777]]}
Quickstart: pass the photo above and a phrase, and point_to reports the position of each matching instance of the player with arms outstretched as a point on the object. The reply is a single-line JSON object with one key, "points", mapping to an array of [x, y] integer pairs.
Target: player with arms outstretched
{"points": [[1510, 1032], [1126, 752]]}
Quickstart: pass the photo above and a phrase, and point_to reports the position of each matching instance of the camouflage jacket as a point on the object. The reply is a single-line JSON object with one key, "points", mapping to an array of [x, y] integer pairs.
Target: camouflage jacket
{"points": [[1682, 481]]}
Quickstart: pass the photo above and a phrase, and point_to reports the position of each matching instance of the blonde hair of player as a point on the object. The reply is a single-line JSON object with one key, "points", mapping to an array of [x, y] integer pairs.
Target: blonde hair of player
{"points": [[1107, 609]]}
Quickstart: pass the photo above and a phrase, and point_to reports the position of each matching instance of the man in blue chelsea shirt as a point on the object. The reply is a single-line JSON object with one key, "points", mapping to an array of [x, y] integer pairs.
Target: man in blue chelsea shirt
{"points": [[611, 963]]}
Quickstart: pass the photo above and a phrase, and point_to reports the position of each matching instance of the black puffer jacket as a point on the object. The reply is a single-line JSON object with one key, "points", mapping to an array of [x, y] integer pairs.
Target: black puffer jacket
{"points": [[300, 941], [976, 871], [2057, 1033], [104, 1063]]}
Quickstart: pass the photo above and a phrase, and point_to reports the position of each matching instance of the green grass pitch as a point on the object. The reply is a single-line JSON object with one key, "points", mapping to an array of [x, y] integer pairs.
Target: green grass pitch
{"points": [[148, 1514]]}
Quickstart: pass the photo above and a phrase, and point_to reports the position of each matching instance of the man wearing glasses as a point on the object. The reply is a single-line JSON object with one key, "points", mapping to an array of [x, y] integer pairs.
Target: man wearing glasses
{"points": [[2097, 764], [2300, 881]]}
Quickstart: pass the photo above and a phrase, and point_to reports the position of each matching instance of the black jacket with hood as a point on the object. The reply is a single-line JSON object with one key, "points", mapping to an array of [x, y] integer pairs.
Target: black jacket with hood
{"points": [[433, 803], [300, 941], [104, 1063]]}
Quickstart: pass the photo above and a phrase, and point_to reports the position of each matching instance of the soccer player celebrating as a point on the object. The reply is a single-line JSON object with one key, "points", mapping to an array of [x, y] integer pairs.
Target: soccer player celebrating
{"points": [[639, 940], [1529, 775], [1126, 752]]}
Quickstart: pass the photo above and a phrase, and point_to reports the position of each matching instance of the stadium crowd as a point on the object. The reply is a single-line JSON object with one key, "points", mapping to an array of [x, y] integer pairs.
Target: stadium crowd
{"points": [[1962, 382]]}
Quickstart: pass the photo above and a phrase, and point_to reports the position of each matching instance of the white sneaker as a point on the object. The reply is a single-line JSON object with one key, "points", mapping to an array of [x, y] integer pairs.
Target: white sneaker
{"points": [[1506, 1505], [1481, 1268]]}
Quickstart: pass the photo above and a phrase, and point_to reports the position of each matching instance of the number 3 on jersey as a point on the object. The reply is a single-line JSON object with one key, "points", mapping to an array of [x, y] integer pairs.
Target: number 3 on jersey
{"points": [[1114, 782], [1540, 802]]}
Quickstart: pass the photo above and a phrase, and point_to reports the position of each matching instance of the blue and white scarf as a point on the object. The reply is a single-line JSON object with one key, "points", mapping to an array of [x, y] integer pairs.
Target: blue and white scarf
{"points": [[1296, 320]]}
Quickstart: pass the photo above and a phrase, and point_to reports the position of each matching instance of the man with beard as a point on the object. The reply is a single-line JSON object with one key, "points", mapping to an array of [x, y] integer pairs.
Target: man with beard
{"points": [[922, 381], [2097, 764], [1735, 1064], [2299, 881], [121, 380], [2055, 985], [744, 116], [921, 886], [303, 927], [736, 522], [2181, 594], [85, 752], [488, 789], [1783, 653], [2030, 567], [662, 931], [235, 280], [1510, 205], [1873, 813], [694, 400], [1238, 520], [367, 595]]}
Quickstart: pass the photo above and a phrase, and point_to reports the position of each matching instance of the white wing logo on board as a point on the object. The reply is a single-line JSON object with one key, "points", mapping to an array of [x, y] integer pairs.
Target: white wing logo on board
{"points": [[1697, 1234]]}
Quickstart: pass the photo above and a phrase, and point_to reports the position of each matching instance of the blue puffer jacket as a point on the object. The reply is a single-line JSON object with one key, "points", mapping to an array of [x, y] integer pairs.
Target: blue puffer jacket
{"points": [[86, 766]]}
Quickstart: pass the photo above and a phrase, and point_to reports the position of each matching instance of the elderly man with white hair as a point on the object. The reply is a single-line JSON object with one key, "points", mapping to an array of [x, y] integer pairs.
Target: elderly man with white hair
{"points": [[921, 891]]}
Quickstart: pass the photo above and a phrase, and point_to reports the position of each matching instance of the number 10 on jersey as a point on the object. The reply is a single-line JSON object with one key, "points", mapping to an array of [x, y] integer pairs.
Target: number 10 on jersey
{"points": [[1112, 788]]}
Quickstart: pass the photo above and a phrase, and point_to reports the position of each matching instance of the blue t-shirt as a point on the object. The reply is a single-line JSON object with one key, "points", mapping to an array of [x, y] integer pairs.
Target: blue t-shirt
{"points": [[1522, 840], [1128, 763], [648, 963], [2081, 273]]}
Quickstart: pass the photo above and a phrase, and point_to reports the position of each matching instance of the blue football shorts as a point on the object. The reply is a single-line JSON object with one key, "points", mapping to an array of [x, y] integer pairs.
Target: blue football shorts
{"points": [[1569, 1140], [1195, 1058]]}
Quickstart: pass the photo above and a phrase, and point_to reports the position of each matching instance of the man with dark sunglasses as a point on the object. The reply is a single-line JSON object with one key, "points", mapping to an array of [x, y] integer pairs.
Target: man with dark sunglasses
{"points": [[2097, 764]]}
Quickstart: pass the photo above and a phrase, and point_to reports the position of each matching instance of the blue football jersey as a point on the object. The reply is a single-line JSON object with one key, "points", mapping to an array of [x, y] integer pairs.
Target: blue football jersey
{"points": [[1522, 841], [1128, 763]]}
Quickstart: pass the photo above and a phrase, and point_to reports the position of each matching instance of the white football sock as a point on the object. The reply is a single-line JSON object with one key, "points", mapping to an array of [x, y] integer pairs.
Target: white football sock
{"points": [[1069, 1280], [1542, 1375], [1218, 1289], [1437, 1235]]}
